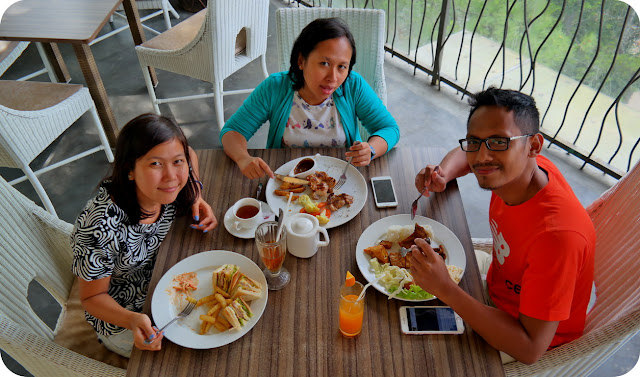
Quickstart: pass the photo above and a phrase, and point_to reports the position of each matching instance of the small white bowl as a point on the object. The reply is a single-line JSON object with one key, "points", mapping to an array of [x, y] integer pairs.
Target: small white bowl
{"points": [[308, 163]]}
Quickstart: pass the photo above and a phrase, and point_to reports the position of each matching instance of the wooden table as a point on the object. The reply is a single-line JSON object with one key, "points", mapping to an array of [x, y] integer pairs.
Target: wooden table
{"points": [[298, 333], [77, 22]]}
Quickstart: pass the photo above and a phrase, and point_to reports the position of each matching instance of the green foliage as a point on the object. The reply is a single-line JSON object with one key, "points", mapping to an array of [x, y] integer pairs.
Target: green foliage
{"points": [[405, 18]]}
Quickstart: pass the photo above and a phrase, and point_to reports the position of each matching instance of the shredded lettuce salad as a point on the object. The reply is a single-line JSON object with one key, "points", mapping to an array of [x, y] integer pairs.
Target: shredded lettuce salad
{"points": [[393, 279]]}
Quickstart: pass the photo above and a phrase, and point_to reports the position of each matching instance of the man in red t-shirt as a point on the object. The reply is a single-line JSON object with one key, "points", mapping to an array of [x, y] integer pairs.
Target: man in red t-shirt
{"points": [[541, 274]]}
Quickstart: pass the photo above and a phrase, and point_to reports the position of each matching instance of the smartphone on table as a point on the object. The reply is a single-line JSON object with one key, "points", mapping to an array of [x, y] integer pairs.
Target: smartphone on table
{"points": [[384, 193], [420, 320]]}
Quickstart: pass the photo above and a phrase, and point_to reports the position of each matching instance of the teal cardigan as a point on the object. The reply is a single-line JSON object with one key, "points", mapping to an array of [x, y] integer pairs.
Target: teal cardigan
{"points": [[273, 98]]}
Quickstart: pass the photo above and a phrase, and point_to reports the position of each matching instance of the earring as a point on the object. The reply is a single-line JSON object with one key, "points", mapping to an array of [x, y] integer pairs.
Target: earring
{"points": [[130, 177]]}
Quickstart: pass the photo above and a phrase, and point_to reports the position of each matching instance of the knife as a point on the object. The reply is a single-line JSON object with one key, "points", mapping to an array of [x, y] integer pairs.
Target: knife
{"points": [[296, 181]]}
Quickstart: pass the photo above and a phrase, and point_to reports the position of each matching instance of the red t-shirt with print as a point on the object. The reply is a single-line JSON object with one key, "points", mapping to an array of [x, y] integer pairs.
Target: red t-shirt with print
{"points": [[543, 252]]}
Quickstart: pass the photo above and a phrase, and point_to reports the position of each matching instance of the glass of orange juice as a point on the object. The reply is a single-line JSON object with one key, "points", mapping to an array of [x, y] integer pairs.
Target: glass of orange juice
{"points": [[272, 254], [351, 309]]}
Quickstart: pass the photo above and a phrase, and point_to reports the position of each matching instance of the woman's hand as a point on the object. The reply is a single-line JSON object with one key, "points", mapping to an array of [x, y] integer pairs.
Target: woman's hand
{"points": [[254, 167], [141, 327], [361, 153], [203, 214]]}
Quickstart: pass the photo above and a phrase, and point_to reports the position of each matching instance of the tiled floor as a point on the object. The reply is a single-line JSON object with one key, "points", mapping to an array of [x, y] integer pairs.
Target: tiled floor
{"points": [[425, 114]]}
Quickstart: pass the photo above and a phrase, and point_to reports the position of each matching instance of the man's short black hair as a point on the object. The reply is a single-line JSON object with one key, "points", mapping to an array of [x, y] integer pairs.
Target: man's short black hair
{"points": [[525, 112]]}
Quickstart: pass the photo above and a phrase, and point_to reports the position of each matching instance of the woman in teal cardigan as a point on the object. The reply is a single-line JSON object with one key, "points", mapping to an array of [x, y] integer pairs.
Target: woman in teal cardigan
{"points": [[317, 103]]}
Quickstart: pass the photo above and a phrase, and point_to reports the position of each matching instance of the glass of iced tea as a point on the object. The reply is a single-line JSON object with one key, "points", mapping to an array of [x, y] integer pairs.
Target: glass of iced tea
{"points": [[351, 309], [272, 254]]}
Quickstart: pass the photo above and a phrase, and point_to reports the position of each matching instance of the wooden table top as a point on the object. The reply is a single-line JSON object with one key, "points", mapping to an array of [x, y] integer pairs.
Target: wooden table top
{"points": [[57, 21], [298, 333]]}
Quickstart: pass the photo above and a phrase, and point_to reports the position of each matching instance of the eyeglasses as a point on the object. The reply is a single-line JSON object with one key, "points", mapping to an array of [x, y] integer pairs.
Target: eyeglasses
{"points": [[493, 143]]}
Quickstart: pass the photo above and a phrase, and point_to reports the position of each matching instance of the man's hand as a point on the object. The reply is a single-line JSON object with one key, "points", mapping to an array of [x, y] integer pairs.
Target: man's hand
{"points": [[254, 167], [432, 177], [141, 328], [203, 214], [428, 269]]}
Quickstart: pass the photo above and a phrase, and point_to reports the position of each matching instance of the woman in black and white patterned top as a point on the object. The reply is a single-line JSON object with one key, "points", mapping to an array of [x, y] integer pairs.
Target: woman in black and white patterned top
{"points": [[117, 235]]}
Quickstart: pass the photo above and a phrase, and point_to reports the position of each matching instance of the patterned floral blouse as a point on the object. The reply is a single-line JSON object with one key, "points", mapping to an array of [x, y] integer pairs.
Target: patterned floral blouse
{"points": [[105, 246]]}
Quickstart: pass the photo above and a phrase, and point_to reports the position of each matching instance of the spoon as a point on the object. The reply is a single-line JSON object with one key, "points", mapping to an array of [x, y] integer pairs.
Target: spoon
{"points": [[280, 219]]}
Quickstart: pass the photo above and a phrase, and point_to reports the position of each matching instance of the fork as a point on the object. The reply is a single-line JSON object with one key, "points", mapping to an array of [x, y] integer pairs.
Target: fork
{"points": [[414, 205], [343, 176], [185, 312]]}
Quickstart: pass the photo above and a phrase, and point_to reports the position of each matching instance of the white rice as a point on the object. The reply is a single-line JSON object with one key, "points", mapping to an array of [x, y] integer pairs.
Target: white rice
{"points": [[396, 233], [455, 273]]}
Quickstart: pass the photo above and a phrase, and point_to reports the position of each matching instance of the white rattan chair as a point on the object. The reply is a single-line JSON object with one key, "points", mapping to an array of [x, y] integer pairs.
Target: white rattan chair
{"points": [[32, 116], [35, 245], [163, 7], [367, 27], [210, 46], [11, 51], [615, 318]]}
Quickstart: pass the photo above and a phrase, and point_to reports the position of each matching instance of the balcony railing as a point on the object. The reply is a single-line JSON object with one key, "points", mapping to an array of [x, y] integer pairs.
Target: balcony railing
{"points": [[580, 59]]}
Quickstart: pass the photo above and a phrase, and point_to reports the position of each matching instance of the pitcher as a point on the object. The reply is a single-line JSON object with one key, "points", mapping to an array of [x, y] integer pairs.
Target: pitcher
{"points": [[303, 235]]}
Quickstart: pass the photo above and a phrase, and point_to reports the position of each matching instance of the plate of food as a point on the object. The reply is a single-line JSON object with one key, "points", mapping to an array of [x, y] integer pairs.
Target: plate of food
{"points": [[235, 306], [314, 192], [378, 254]]}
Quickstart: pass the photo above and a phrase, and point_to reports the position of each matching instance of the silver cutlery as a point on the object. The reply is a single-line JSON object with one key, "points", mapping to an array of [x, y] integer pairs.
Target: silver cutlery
{"points": [[343, 176], [414, 205], [185, 312]]}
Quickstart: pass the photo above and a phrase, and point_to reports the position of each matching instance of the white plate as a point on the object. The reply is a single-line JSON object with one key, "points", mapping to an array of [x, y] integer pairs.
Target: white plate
{"points": [[441, 234], [166, 304], [247, 233], [355, 186]]}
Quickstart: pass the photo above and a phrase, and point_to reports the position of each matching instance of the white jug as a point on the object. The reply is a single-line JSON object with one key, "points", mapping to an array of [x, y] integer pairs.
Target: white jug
{"points": [[303, 235]]}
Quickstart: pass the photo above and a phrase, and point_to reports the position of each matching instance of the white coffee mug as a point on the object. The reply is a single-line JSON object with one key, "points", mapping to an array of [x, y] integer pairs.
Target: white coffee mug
{"points": [[303, 235], [245, 215]]}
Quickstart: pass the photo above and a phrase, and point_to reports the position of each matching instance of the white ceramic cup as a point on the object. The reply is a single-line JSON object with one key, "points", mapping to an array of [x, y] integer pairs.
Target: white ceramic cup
{"points": [[246, 223], [303, 235]]}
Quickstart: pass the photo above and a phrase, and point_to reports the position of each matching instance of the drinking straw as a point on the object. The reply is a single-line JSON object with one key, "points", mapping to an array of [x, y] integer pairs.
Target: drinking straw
{"points": [[283, 217]]}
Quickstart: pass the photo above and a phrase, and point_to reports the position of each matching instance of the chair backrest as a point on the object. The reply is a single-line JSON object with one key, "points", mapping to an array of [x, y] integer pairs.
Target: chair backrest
{"points": [[616, 217], [224, 21], [366, 25], [33, 245]]}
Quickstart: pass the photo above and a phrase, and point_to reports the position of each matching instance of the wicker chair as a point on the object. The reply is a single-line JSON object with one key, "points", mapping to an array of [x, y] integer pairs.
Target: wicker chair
{"points": [[35, 245], [163, 7], [210, 46], [32, 116], [615, 318], [367, 27], [11, 51]]}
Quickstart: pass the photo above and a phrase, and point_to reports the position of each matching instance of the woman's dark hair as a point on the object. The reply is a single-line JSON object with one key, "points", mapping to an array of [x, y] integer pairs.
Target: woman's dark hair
{"points": [[137, 137], [317, 31], [525, 112]]}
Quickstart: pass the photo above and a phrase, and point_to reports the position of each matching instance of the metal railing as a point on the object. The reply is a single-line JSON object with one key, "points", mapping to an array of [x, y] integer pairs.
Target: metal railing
{"points": [[580, 60]]}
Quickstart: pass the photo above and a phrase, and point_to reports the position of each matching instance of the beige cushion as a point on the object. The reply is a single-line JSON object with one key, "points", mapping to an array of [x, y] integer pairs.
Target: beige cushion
{"points": [[77, 334], [33, 95], [180, 35], [6, 47]]}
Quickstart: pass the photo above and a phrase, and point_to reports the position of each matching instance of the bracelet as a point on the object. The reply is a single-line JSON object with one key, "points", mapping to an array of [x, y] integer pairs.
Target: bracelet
{"points": [[199, 183]]}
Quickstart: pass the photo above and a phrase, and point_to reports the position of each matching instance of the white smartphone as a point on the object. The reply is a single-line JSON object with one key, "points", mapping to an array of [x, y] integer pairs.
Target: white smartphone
{"points": [[421, 320], [384, 192]]}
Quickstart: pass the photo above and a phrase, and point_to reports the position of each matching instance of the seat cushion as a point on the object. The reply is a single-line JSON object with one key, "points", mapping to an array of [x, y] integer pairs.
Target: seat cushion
{"points": [[180, 35], [33, 95], [77, 334], [6, 48]]}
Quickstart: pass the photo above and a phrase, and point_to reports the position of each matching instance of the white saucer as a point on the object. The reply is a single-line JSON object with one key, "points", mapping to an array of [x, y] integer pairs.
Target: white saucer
{"points": [[267, 213]]}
